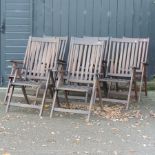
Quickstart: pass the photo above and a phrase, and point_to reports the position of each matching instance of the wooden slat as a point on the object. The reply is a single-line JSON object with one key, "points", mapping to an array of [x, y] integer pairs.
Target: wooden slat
{"points": [[25, 105], [71, 111], [115, 80], [114, 100], [73, 88], [128, 58], [121, 58], [116, 58]]}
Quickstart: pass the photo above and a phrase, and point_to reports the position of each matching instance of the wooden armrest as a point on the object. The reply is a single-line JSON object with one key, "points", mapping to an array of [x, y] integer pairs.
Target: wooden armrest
{"points": [[145, 63], [134, 67], [61, 62], [16, 61]]}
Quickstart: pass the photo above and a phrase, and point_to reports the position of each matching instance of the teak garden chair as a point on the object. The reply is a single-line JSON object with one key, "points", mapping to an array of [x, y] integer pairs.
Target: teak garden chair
{"points": [[84, 67], [120, 66], [141, 61], [39, 63], [18, 63]]}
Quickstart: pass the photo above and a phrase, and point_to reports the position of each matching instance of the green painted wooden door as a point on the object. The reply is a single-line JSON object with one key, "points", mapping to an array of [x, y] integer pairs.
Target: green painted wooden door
{"points": [[2, 31], [16, 21]]}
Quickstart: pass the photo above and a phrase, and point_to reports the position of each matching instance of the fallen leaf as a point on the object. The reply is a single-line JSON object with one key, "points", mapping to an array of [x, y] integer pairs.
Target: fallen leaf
{"points": [[6, 153]]}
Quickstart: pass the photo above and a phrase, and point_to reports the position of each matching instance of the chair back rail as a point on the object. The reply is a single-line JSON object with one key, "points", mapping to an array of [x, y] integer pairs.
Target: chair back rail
{"points": [[41, 55], [85, 60], [62, 45], [121, 57], [106, 42], [142, 54]]}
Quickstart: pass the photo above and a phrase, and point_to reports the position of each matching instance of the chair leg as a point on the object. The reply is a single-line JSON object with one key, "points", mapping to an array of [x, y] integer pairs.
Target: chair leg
{"points": [[52, 94], [86, 97], [91, 101], [58, 102], [140, 88], [44, 96], [53, 105], [37, 92], [129, 94], [109, 89], [6, 96], [135, 89], [7, 92], [99, 93], [9, 98], [25, 95], [105, 88], [145, 85], [66, 98], [51, 91]]}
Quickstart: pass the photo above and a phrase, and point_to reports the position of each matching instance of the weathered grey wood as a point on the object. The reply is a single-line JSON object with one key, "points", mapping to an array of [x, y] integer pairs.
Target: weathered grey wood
{"points": [[62, 45], [115, 80], [24, 105], [114, 100], [40, 59], [140, 59], [120, 66], [71, 111], [83, 66], [74, 88], [106, 44]]}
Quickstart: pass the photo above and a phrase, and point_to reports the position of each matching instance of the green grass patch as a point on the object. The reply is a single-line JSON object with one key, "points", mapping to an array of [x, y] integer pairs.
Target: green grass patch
{"points": [[151, 84]]}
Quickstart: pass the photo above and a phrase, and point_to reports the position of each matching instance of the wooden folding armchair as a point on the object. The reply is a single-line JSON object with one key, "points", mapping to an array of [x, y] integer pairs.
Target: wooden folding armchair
{"points": [[18, 63], [120, 66], [84, 67], [141, 61], [39, 64]]}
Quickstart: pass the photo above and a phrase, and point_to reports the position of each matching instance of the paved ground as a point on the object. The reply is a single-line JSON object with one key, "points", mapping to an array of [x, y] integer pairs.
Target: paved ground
{"points": [[22, 132]]}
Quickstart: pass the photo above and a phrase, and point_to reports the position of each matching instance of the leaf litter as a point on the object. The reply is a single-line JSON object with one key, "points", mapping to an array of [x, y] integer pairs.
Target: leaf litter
{"points": [[112, 112]]}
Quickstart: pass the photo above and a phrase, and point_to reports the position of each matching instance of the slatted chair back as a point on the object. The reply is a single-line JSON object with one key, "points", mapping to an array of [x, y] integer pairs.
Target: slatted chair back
{"points": [[72, 40], [85, 61], [121, 57], [41, 55], [62, 45], [142, 54], [106, 43]]}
